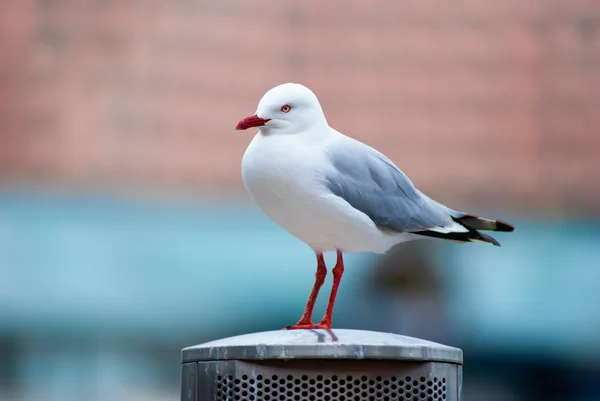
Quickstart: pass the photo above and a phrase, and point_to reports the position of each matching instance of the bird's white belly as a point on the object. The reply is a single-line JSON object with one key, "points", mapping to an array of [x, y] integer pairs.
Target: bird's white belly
{"points": [[288, 188]]}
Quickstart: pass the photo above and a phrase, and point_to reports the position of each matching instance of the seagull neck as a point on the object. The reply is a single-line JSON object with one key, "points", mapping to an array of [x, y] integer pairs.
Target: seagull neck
{"points": [[316, 132]]}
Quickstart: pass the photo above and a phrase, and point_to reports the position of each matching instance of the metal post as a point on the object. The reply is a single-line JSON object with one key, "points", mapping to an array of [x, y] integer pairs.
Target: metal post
{"points": [[319, 365]]}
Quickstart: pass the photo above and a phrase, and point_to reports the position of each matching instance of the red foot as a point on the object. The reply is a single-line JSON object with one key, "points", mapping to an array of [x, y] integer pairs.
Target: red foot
{"points": [[311, 326], [305, 322]]}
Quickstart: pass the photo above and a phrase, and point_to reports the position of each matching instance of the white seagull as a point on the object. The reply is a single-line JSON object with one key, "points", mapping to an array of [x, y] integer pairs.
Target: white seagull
{"points": [[336, 193]]}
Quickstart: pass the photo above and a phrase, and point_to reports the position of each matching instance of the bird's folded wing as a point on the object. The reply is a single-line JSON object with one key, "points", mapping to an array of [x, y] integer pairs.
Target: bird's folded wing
{"points": [[371, 183]]}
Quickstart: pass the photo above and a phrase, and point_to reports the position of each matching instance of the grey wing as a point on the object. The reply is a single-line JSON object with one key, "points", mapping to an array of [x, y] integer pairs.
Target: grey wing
{"points": [[371, 183]]}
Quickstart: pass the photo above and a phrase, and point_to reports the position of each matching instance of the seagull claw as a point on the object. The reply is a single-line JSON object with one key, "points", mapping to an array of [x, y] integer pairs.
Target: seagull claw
{"points": [[309, 326]]}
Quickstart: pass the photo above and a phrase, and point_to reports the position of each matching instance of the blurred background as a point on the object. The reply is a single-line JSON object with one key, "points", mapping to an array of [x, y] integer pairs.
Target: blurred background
{"points": [[126, 233]]}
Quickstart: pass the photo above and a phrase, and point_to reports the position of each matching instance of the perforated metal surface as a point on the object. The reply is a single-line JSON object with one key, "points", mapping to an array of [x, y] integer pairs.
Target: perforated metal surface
{"points": [[303, 365], [329, 388]]}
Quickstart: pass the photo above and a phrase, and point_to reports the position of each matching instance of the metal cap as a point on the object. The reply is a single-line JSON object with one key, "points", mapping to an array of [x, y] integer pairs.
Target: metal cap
{"points": [[322, 344]]}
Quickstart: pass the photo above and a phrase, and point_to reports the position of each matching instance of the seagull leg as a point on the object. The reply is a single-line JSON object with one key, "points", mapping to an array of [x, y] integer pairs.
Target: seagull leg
{"points": [[305, 321], [337, 271]]}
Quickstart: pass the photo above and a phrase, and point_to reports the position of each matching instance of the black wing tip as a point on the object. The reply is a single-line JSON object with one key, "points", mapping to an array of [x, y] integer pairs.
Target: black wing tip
{"points": [[471, 236], [479, 223], [489, 239], [504, 227]]}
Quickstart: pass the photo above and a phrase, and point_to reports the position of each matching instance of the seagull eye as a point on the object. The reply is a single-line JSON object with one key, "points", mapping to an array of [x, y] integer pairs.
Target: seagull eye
{"points": [[286, 108]]}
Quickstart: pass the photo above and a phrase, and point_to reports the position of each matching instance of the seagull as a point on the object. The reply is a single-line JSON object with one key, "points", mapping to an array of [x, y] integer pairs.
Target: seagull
{"points": [[336, 193]]}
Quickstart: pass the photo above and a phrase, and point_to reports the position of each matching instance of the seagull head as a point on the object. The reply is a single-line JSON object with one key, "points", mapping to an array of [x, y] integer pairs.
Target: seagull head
{"points": [[286, 109]]}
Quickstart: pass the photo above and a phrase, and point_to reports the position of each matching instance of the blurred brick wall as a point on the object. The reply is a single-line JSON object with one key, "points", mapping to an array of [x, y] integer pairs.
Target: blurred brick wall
{"points": [[480, 102]]}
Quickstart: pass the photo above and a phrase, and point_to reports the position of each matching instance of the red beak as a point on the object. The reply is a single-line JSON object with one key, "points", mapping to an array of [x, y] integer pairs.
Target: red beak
{"points": [[252, 121]]}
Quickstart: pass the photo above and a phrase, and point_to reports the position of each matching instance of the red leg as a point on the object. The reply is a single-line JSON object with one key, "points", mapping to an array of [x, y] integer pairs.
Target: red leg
{"points": [[305, 321], [337, 271]]}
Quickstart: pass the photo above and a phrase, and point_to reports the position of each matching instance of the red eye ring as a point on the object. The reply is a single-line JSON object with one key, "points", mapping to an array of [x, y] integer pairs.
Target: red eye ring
{"points": [[286, 108]]}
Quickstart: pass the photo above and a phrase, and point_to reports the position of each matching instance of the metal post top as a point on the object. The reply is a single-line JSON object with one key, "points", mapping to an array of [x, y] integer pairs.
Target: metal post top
{"points": [[322, 344]]}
